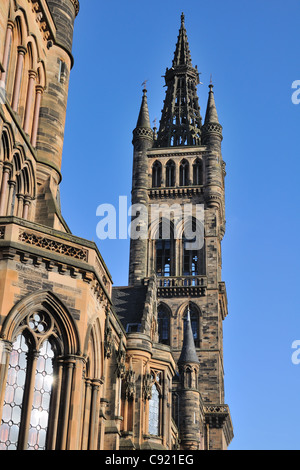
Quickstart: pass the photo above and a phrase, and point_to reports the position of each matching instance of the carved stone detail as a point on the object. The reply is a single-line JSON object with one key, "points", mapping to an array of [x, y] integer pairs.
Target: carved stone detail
{"points": [[53, 245]]}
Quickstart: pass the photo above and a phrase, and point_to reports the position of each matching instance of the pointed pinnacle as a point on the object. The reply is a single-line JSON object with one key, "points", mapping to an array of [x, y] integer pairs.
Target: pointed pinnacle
{"points": [[211, 110], [144, 120], [182, 54], [188, 352]]}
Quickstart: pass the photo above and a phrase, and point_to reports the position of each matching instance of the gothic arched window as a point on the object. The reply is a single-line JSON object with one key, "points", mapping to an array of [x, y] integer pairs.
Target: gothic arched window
{"points": [[190, 258], [27, 399], [184, 173], [164, 248], [37, 374], [163, 319], [156, 175], [170, 174], [155, 404], [198, 173], [193, 249]]}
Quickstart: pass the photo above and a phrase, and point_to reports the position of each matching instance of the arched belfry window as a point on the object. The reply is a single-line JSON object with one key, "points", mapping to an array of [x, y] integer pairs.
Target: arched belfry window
{"points": [[170, 174], [193, 248], [198, 173], [41, 344], [163, 320], [164, 248], [156, 175], [194, 316], [184, 173]]}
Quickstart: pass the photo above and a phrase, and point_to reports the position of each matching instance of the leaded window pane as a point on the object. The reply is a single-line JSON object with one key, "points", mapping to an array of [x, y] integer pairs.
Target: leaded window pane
{"points": [[154, 412], [41, 398], [11, 416]]}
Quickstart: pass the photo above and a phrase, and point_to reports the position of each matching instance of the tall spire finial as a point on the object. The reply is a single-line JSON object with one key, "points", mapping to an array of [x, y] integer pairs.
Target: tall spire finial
{"points": [[144, 85], [181, 120]]}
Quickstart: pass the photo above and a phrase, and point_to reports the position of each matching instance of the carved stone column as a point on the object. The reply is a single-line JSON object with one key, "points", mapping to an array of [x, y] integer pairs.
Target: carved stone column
{"points": [[18, 78], [29, 100]]}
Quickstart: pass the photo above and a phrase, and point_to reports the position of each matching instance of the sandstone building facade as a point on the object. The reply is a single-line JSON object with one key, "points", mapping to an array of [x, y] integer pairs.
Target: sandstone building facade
{"points": [[85, 365]]}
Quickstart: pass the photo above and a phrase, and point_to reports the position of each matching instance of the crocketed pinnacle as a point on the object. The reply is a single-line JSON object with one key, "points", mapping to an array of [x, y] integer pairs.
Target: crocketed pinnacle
{"points": [[188, 352]]}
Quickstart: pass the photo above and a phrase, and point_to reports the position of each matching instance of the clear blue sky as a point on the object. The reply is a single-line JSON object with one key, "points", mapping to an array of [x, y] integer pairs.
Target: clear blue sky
{"points": [[251, 48]]}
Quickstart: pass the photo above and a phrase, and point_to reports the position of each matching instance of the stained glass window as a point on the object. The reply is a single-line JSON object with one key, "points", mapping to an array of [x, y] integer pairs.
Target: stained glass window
{"points": [[11, 416]]}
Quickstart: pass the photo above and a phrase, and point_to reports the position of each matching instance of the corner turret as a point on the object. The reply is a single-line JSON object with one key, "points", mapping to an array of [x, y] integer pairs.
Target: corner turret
{"points": [[188, 365]]}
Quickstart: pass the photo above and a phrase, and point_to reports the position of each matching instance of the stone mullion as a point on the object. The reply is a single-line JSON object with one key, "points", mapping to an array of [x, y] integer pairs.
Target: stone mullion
{"points": [[55, 407]]}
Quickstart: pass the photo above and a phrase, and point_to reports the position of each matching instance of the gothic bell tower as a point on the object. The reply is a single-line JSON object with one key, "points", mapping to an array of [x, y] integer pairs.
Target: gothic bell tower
{"points": [[177, 167]]}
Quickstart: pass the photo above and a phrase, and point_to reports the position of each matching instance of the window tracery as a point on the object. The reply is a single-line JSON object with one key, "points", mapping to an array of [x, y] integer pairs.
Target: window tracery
{"points": [[29, 383]]}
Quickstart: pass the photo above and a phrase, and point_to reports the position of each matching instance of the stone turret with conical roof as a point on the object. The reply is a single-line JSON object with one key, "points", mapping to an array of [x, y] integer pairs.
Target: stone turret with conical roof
{"points": [[215, 167], [188, 365], [181, 120], [188, 352], [142, 142], [212, 129]]}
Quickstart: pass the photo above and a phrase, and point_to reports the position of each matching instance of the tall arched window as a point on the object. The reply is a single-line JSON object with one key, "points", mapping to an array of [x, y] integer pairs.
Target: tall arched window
{"points": [[170, 174], [184, 173], [194, 316], [155, 404], [198, 172], [163, 320], [156, 175], [193, 248], [190, 258], [165, 249], [27, 400], [37, 378]]}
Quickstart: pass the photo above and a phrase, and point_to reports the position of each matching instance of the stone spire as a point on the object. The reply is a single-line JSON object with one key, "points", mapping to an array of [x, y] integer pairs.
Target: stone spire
{"points": [[143, 138], [212, 129], [188, 352], [144, 120], [182, 54], [143, 126], [211, 115], [181, 121]]}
